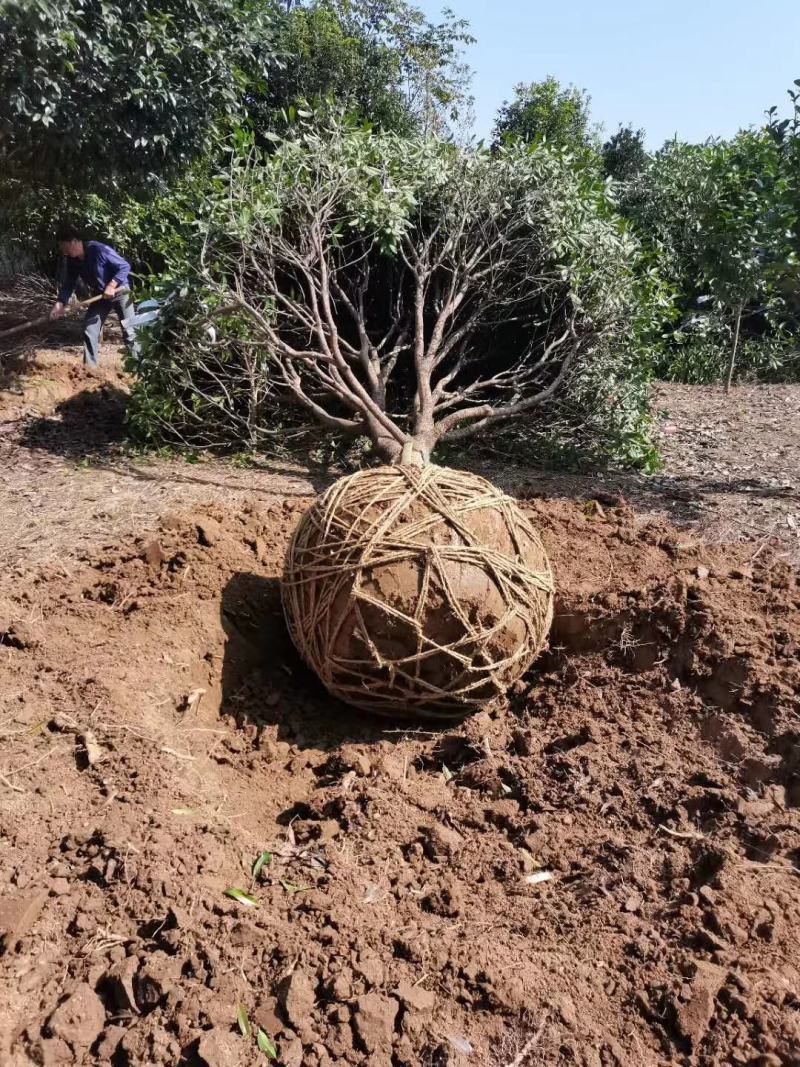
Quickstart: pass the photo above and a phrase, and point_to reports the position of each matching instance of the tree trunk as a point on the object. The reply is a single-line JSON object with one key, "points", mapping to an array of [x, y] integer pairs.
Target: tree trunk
{"points": [[415, 451], [732, 362]]}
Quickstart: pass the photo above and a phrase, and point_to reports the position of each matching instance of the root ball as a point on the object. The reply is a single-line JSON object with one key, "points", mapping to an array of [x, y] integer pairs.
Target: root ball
{"points": [[417, 591]]}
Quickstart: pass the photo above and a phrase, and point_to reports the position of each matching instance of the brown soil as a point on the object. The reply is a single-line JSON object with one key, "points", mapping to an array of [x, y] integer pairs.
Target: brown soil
{"points": [[604, 872]]}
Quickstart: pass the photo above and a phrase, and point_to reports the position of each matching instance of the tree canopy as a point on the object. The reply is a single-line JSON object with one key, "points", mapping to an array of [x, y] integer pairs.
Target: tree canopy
{"points": [[94, 94], [382, 61], [624, 154], [407, 290], [546, 110]]}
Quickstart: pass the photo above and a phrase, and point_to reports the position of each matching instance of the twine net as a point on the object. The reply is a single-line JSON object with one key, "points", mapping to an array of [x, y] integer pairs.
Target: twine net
{"points": [[422, 591]]}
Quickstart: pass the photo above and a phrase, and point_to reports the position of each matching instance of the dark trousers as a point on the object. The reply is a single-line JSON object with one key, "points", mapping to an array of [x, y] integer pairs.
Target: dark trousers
{"points": [[96, 315]]}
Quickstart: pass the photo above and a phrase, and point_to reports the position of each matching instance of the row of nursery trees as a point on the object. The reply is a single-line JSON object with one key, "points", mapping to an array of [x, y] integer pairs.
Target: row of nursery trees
{"points": [[297, 182]]}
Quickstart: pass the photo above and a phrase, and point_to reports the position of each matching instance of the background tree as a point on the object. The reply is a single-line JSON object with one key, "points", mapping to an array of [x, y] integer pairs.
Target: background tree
{"points": [[715, 219], [92, 93], [624, 154], [547, 111], [383, 62], [786, 135]]}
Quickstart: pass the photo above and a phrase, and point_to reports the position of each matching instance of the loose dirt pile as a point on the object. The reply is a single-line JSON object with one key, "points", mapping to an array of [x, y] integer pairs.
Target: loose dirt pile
{"points": [[604, 873]]}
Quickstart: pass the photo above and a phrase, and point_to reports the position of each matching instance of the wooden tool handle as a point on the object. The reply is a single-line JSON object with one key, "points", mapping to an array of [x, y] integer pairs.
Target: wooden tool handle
{"points": [[46, 318]]}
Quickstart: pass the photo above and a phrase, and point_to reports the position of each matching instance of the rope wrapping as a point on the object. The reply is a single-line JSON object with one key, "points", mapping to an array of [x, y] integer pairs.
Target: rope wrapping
{"points": [[417, 591]]}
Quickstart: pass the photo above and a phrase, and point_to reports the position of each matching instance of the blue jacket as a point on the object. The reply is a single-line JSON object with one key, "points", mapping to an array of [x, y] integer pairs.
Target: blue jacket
{"points": [[99, 266]]}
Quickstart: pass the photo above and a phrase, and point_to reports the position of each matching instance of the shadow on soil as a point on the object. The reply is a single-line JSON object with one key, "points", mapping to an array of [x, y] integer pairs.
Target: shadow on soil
{"points": [[265, 683], [90, 422], [91, 425]]}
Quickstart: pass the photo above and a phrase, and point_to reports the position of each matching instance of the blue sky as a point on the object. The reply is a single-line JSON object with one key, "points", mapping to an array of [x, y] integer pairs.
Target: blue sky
{"points": [[697, 69]]}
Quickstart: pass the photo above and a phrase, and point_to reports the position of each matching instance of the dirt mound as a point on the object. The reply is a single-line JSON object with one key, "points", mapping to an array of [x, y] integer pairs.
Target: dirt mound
{"points": [[604, 872], [48, 381]]}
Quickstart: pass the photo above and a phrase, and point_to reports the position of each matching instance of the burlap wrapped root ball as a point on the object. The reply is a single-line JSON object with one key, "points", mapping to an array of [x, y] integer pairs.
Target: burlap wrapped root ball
{"points": [[417, 591]]}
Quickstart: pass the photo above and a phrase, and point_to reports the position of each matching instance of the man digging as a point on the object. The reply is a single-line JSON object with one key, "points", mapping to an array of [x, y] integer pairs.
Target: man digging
{"points": [[105, 272]]}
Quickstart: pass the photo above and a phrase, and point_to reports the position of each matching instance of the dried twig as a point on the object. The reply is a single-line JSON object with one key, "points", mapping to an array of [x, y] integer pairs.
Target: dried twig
{"points": [[529, 1045]]}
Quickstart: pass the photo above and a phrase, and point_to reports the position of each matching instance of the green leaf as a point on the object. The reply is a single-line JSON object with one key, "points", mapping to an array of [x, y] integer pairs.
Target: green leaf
{"points": [[241, 897], [291, 888], [266, 1046], [263, 860], [243, 1021]]}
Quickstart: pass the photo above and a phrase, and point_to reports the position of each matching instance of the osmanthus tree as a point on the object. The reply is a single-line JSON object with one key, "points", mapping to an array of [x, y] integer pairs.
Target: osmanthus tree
{"points": [[413, 293], [97, 95]]}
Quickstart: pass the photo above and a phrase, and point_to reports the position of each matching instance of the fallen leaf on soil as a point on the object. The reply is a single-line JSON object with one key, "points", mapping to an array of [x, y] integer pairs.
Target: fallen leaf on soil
{"points": [[263, 861], [243, 1021], [290, 887], [266, 1046], [241, 897]]}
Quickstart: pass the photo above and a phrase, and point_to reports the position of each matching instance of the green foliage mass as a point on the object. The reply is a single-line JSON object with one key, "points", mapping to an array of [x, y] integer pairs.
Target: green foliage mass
{"points": [[381, 61], [384, 197], [101, 96], [548, 111], [624, 154], [181, 130], [721, 223]]}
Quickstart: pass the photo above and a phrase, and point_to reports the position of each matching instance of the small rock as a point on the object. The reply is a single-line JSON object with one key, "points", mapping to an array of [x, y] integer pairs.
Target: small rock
{"points": [[362, 766], [370, 968], [120, 980], [59, 887], [18, 913], [266, 1015], [414, 997], [756, 770], [153, 553], [701, 571], [94, 752], [441, 842], [208, 532], [55, 1052], [633, 904], [373, 1021], [291, 1053], [156, 979], [79, 1019], [339, 987], [696, 1012], [328, 830], [297, 999], [391, 766], [220, 1049], [177, 918], [109, 1043]]}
